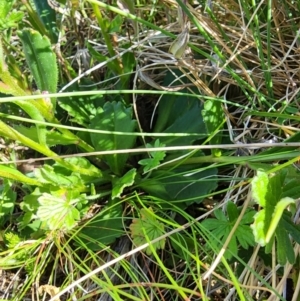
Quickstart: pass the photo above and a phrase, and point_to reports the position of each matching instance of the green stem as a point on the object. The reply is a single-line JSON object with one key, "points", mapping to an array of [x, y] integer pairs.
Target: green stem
{"points": [[241, 160], [9, 132]]}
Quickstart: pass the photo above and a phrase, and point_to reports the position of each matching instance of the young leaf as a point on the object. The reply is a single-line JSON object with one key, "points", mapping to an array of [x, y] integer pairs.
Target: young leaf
{"points": [[5, 7], [259, 187], [8, 16], [147, 226], [258, 227], [277, 214], [268, 192], [156, 157], [179, 45]]}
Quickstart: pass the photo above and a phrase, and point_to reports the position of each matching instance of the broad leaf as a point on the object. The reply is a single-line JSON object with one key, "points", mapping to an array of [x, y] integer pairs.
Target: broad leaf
{"points": [[120, 183], [114, 117], [5, 7], [41, 60], [58, 212], [181, 184], [179, 114], [268, 221], [221, 226], [147, 228], [51, 175], [213, 117], [82, 109], [48, 17]]}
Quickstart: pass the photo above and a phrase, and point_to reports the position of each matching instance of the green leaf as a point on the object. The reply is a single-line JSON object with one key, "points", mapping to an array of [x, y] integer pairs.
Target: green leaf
{"points": [[181, 184], [220, 215], [277, 214], [258, 227], [7, 200], [30, 205], [120, 183], [213, 117], [291, 227], [58, 175], [53, 138], [116, 24], [259, 187], [269, 219], [30, 107], [179, 114], [97, 56], [82, 109], [41, 60], [11, 20], [13, 174], [284, 247], [147, 228], [5, 8], [58, 212], [48, 17], [232, 211], [104, 228], [245, 240], [55, 176], [114, 117], [221, 226], [128, 63], [291, 187], [189, 123], [156, 157], [81, 164]]}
